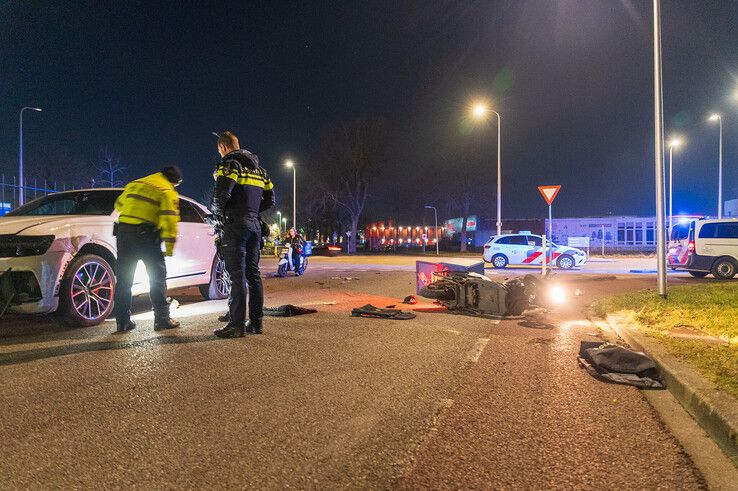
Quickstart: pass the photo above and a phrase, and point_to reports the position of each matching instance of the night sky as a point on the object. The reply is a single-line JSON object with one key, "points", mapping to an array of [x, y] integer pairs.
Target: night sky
{"points": [[571, 78]]}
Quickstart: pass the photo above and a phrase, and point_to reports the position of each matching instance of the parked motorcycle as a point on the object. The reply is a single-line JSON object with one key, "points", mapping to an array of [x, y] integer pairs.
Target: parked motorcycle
{"points": [[289, 260]]}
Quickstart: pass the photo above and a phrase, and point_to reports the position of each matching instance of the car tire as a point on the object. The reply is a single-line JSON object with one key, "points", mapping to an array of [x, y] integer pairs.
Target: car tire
{"points": [[699, 274], [724, 268], [499, 261], [565, 262], [86, 292], [220, 285]]}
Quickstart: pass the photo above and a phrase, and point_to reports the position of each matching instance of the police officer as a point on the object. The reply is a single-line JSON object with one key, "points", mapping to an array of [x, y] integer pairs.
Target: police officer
{"points": [[242, 191], [149, 213]]}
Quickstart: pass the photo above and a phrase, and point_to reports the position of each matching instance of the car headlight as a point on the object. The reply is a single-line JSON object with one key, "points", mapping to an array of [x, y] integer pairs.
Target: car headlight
{"points": [[24, 245]]}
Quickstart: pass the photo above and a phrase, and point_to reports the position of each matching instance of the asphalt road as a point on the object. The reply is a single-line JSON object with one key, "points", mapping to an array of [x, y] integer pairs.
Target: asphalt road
{"points": [[326, 401]]}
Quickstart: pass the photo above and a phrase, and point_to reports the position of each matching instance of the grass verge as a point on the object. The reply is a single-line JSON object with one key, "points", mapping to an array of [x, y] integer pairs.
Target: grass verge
{"points": [[709, 308]]}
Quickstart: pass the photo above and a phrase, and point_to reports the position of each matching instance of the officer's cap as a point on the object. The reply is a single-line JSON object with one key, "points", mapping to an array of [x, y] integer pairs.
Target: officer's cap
{"points": [[173, 173]]}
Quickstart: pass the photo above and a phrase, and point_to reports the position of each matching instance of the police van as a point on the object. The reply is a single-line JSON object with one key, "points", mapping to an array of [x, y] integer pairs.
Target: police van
{"points": [[525, 249], [708, 247]]}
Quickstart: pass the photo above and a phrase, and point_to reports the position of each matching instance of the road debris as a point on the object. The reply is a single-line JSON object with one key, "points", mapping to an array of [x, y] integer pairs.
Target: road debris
{"points": [[371, 311]]}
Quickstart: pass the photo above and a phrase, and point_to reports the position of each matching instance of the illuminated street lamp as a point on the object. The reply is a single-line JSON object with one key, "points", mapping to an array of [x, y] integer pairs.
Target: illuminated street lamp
{"points": [[479, 112], [20, 154], [719, 119], [291, 164], [675, 142]]}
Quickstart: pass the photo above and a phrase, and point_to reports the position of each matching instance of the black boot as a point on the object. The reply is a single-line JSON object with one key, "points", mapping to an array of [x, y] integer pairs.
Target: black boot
{"points": [[230, 332], [124, 327], [165, 323], [225, 317], [254, 326]]}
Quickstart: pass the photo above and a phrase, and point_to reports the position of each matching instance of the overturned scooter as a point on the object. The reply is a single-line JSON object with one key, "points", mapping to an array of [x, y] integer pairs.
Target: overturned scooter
{"points": [[475, 294]]}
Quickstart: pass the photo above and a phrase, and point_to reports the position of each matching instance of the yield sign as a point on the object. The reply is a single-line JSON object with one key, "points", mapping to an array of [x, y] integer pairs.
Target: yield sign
{"points": [[549, 192]]}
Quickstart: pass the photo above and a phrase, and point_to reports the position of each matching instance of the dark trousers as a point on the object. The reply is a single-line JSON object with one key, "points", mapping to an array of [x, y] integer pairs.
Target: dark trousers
{"points": [[240, 247], [136, 243]]}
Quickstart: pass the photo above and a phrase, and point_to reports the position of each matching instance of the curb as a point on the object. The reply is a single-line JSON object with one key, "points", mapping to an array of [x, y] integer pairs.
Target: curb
{"points": [[716, 412]]}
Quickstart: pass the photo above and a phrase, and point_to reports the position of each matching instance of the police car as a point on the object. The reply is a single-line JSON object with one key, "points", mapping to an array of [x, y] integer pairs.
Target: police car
{"points": [[527, 250]]}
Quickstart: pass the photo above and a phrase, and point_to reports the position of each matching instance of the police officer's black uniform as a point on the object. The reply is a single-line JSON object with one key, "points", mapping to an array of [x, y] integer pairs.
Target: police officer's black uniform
{"points": [[242, 191]]}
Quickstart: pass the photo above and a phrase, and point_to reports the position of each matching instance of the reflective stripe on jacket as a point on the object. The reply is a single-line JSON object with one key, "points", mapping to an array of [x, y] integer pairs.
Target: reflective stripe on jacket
{"points": [[151, 199], [242, 188]]}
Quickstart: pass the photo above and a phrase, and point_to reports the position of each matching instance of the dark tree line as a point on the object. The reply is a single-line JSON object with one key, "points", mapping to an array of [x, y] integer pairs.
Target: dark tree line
{"points": [[342, 175], [350, 175]]}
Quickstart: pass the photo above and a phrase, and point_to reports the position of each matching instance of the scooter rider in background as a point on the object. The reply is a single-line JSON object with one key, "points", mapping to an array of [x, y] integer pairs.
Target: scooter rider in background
{"points": [[242, 191], [149, 214], [296, 242]]}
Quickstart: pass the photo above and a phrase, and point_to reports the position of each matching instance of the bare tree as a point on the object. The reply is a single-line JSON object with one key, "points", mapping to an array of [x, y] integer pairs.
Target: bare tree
{"points": [[351, 154], [466, 192], [110, 169]]}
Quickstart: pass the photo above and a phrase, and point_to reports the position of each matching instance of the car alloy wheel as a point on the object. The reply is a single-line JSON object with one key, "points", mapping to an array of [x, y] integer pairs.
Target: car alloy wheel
{"points": [[499, 261], [566, 262], [92, 290], [222, 279]]}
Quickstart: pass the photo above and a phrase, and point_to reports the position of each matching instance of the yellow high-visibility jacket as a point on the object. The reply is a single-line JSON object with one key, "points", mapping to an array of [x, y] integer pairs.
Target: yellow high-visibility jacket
{"points": [[151, 199]]}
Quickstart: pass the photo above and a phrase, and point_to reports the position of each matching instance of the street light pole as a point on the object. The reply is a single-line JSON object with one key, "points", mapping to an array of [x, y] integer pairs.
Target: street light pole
{"points": [[719, 119], [659, 154], [435, 230], [671, 188], [674, 142], [499, 176], [479, 111], [20, 155], [279, 213], [291, 164]]}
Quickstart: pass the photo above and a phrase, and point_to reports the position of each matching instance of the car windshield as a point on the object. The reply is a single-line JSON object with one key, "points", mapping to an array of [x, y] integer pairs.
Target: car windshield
{"points": [[70, 203]]}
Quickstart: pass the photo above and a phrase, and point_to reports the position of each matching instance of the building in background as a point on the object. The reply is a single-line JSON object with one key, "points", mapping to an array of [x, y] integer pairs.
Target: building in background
{"points": [[383, 235], [619, 233], [730, 208]]}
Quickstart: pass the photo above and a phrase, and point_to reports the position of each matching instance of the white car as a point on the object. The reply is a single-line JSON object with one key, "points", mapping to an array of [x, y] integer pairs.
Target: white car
{"points": [[61, 253], [527, 250]]}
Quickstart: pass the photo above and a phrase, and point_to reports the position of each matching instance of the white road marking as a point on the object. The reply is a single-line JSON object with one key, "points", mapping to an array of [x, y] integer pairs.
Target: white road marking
{"points": [[476, 351]]}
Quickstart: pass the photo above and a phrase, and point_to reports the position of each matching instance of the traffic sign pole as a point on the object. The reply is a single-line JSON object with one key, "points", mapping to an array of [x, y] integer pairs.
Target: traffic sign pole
{"points": [[550, 234], [549, 193]]}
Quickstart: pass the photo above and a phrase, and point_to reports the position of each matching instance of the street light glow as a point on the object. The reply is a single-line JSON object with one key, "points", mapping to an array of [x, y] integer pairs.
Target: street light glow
{"points": [[290, 164], [675, 142], [479, 110], [714, 117]]}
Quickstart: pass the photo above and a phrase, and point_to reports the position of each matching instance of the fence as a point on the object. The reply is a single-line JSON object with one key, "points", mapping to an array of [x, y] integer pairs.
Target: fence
{"points": [[32, 189]]}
